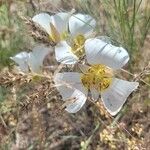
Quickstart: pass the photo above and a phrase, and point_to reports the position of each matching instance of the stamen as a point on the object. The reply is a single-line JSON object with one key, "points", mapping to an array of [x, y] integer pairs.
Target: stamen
{"points": [[98, 77], [78, 45]]}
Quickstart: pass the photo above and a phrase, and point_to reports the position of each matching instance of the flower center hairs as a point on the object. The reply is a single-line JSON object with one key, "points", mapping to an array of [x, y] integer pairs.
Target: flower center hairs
{"points": [[98, 77], [78, 45]]}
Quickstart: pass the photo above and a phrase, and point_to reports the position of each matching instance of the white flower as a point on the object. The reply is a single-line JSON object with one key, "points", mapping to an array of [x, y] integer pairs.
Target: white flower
{"points": [[99, 52], [98, 78], [55, 25], [68, 31], [33, 60]]}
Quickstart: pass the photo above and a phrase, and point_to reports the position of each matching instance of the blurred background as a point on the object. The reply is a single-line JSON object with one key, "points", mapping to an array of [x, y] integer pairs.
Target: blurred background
{"points": [[30, 114]]}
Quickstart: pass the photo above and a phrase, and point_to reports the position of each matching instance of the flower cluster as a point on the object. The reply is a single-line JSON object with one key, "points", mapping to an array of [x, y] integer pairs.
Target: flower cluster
{"points": [[72, 35], [69, 32]]}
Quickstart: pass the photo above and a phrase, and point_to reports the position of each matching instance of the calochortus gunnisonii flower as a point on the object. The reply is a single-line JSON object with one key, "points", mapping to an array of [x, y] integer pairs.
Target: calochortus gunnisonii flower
{"points": [[98, 78], [69, 32], [32, 61]]}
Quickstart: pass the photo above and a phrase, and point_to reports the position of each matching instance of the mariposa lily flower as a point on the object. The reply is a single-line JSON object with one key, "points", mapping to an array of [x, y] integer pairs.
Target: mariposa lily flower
{"points": [[69, 32], [32, 61], [98, 78]]}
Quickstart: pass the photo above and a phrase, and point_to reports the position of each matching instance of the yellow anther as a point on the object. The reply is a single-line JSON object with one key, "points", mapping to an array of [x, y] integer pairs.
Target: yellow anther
{"points": [[98, 77], [78, 45]]}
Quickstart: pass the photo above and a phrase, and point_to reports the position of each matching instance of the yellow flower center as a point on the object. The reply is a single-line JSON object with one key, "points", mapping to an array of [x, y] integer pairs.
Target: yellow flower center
{"points": [[78, 45], [98, 77]]}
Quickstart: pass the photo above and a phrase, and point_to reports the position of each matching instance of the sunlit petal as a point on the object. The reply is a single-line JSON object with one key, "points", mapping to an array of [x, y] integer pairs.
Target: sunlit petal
{"points": [[100, 52], [43, 19], [60, 20], [37, 57], [80, 100], [81, 24], [63, 53], [116, 95], [70, 87], [22, 60]]}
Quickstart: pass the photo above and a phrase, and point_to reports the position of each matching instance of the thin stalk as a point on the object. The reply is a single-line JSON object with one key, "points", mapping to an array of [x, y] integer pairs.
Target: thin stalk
{"points": [[147, 27], [133, 24]]}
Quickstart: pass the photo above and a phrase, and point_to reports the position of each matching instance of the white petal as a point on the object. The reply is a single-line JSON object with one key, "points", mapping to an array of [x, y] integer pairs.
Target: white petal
{"points": [[81, 24], [64, 16], [63, 53], [71, 79], [37, 57], [60, 21], [78, 103], [100, 52], [116, 95], [43, 19], [70, 86], [22, 60]]}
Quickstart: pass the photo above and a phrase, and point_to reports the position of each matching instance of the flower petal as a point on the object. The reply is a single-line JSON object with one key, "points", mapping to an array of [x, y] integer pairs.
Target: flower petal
{"points": [[60, 21], [37, 57], [80, 100], [63, 53], [43, 19], [116, 95], [81, 24], [64, 16], [22, 60], [70, 86], [100, 52]]}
